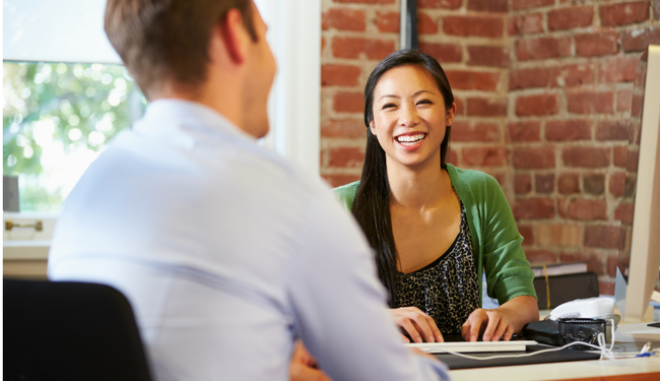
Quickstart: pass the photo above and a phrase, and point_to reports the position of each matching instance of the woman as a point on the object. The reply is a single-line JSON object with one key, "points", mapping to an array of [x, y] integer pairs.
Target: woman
{"points": [[433, 226]]}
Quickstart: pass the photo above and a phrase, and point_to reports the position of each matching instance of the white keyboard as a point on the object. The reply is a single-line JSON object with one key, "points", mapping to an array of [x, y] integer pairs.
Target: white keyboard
{"points": [[472, 347]]}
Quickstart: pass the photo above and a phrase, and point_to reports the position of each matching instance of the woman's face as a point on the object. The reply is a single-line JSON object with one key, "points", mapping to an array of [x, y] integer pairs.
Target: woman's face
{"points": [[410, 118]]}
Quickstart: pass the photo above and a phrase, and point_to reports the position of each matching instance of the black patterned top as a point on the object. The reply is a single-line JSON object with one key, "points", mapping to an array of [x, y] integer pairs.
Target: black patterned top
{"points": [[447, 289]]}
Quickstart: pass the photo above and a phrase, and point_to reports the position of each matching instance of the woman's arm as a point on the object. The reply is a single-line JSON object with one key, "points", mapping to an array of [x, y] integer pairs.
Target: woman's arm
{"points": [[501, 322]]}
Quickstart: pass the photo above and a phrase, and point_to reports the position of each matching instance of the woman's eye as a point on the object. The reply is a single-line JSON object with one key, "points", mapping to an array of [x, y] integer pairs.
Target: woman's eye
{"points": [[425, 101], [388, 105]]}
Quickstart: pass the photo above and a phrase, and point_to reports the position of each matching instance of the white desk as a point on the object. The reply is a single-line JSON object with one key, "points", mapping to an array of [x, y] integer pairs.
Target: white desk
{"points": [[630, 338], [635, 369]]}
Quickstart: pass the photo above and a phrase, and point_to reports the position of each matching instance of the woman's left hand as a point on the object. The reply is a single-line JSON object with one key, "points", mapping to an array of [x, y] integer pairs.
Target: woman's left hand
{"points": [[491, 323]]}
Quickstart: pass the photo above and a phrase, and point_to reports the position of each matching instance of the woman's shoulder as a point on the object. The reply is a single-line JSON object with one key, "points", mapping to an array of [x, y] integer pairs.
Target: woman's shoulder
{"points": [[346, 194], [469, 178]]}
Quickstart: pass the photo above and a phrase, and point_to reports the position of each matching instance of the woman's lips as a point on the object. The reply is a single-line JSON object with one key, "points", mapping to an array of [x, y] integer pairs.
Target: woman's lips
{"points": [[410, 142]]}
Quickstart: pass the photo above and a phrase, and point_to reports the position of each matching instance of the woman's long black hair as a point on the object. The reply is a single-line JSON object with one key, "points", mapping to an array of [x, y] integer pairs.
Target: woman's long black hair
{"points": [[371, 207]]}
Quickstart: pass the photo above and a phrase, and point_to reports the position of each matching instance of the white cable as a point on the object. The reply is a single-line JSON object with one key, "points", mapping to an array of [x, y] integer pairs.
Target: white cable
{"points": [[604, 351]]}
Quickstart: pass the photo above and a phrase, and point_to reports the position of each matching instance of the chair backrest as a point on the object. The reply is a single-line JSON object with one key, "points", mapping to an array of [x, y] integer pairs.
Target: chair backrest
{"points": [[70, 331]]}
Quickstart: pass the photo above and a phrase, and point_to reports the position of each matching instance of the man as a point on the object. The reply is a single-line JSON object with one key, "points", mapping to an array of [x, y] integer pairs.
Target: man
{"points": [[226, 252]]}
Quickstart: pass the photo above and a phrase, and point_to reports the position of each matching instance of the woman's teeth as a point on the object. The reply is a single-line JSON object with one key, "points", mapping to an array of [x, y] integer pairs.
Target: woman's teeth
{"points": [[408, 140]]}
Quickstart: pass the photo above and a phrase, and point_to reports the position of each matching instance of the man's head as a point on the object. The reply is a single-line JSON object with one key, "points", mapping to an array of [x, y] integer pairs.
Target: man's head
{"points": [[201, 50]]}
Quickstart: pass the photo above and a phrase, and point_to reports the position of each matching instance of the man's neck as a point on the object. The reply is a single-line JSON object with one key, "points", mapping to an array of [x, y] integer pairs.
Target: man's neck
{"points": [[227, 103]]}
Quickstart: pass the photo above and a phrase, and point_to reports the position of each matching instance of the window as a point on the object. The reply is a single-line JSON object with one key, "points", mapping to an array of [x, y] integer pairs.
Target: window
{"points": [[57, 118]]}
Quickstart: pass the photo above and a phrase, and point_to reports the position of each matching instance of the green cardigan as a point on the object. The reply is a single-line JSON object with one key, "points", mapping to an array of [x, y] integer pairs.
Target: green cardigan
{"points": [[495, 237]]}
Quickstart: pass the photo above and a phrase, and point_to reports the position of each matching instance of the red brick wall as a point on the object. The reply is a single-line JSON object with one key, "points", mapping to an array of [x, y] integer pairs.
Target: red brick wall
{"points": [[543, 90]]}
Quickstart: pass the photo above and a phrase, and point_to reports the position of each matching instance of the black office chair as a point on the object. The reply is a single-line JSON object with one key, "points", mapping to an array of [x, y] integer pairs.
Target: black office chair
{"points": [[70, 331]]}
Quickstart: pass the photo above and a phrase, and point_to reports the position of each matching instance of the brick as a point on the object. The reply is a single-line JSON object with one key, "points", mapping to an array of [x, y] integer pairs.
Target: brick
{"points": [[472, 80], [568, 183], [542, 48], [343, 128], [335, 180], [388, 22], [442, 4], [339, 75], [606, 237], [528, 234], [544, 183], [612, 262], [485, 156], [526, 4], [595, 260], [618, 70], [570, 18], [475, 132], [534, 158], [594, 184], [624, 100], [528, 78], [606, 287], [587, 210], [522, 183], [568, 130], [452, 157], [656, 9], [632, 160], [348, 102], [524, 131], [366, 1], [558, 234], [495, 6], [526, 24], [629, 187], [608, 130], [496, 56], [476, 26], [572, 75], [617, 184], [534, 208], [624, 14], [487, 106], [346, 157], [586, 157], [639, 40], [444, 53], [620, 156], [596, 44], [460, 109], [541, 256], [624, 213], [344, 19], [425, 24], [543, 104], [356, 47], [588, 102]]}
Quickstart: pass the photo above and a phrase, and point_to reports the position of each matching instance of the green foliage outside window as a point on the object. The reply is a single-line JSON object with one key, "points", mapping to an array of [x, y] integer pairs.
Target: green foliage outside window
{"points": [[56, 119]]}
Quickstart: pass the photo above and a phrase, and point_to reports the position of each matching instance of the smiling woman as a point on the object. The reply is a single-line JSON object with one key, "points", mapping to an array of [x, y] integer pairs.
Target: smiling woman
{"points": [[434, 227]]}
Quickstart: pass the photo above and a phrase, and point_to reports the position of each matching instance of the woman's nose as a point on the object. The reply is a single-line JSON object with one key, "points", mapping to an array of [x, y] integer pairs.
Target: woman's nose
{"points": [[408, 117]]}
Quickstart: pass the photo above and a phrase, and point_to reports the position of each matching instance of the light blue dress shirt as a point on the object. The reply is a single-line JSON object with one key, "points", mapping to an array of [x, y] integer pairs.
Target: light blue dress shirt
{"points": [[227, 253]]}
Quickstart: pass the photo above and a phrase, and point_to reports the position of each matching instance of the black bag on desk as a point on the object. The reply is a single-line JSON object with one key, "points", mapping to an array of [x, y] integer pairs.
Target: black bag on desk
{"points": [[564, 288]]}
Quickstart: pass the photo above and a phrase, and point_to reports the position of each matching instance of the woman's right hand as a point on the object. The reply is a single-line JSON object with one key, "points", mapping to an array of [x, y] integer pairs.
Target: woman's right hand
{"points": [[419, 326]]}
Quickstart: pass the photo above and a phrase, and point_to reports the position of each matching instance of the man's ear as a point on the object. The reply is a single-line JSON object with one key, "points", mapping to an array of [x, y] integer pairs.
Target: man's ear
{"points": [[235, 36]]}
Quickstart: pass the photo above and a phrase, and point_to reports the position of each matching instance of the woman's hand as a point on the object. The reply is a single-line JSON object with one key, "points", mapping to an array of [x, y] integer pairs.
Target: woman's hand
{"points": [[491, 323], [303, 366], [502, 322], [419, 326]]}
